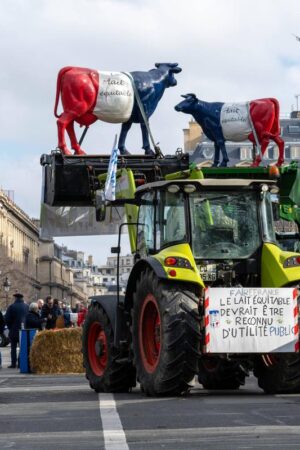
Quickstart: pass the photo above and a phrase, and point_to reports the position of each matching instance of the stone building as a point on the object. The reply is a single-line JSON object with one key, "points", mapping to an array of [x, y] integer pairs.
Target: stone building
{"points": [[86, 273], [19, 253], [192, 136], [109, 270], [57, 278]]}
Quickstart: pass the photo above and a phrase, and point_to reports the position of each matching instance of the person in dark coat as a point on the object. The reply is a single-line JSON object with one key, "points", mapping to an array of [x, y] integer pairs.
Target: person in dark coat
{"points": [[14, 318], [33, 319], [49, 312], [2, 323]]}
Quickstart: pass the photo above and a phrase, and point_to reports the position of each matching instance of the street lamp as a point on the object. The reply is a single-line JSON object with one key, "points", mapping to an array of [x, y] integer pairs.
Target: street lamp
{"points": [[6, 286]]}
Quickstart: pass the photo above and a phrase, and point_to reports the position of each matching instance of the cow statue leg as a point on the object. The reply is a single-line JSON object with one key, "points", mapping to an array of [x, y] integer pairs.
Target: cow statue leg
{"points": [[146, 143], [63, 121], [264, 144], [121, 144], [74, 144], [224, 155], [217, 155], [280, 143]]}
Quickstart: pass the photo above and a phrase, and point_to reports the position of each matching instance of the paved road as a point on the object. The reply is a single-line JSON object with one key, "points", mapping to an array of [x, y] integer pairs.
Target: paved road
{"points": [[62, 412]]}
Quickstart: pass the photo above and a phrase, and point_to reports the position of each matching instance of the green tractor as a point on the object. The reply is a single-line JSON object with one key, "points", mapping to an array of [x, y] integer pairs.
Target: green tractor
{"points": [[196, 231]]}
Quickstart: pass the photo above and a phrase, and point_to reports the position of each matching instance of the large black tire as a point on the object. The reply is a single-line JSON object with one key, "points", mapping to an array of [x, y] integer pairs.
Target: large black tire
{"points": [[216, 373], [105, 370], [282, 376], [166, 336]]}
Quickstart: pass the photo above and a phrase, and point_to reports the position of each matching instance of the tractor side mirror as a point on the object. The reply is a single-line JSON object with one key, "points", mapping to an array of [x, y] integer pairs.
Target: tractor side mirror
{"points": [[100, 206], [115, 250]]}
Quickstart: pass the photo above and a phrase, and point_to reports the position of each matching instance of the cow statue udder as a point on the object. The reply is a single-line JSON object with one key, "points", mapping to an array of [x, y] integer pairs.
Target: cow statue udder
{"points": [[257, 121], [88, 95]]}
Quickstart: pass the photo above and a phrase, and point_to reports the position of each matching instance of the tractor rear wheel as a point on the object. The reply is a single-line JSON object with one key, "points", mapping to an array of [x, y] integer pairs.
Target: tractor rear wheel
{"points": [[166, 336], [103, 369], [278, 374], [217, 373]]}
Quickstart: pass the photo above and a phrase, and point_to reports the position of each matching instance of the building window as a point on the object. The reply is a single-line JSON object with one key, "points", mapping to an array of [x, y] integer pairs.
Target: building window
{"points": [[295, 152], [246, 153], [294, 129], [287, 152]]}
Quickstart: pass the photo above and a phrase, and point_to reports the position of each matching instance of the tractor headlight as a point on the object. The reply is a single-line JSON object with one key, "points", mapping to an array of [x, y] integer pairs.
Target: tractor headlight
{"points": [[292, 261]]}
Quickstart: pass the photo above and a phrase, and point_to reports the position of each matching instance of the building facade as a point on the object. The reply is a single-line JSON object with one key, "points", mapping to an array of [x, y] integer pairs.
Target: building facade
{"points": [[19, 253], [57, 278]]}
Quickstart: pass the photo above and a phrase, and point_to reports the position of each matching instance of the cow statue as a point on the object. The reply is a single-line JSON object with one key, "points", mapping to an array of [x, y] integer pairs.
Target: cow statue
{"points": [[257, 121], [88, 95]]}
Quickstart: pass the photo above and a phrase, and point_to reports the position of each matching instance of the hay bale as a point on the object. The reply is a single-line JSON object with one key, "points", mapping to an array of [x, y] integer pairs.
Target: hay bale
{"points": [[57, 351]]}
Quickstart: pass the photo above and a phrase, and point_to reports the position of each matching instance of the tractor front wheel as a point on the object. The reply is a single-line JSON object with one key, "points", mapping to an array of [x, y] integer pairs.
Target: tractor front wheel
{"points": [[105, 370], [166, 336]]}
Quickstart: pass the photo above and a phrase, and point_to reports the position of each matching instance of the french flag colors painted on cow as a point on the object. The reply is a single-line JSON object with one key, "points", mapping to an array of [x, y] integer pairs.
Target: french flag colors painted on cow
{"points": [[115, 97], [257, 121]]}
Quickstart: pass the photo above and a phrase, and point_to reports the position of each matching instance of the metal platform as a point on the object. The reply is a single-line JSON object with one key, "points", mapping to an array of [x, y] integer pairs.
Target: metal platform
{"points": [[72, 180]]}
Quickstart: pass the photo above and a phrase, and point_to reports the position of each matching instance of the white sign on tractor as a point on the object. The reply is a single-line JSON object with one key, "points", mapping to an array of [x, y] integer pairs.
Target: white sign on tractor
{"points": [[251, 320]]}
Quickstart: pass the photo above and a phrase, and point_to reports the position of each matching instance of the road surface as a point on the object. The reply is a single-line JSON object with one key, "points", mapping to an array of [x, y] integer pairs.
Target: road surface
{"points": [[62, 412]]}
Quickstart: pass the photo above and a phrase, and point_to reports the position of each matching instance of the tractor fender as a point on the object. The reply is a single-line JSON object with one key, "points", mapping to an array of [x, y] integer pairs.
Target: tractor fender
{"points": [[138, 268], [109, 304], [116, 314]]}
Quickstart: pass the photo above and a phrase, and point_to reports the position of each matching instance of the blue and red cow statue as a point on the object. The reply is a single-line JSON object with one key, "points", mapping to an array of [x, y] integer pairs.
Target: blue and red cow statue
{"points": [[88, 95], [257, 121]]}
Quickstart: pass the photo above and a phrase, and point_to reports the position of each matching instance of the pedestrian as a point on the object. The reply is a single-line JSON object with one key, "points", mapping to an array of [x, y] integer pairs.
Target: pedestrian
{"points": [[82, 312], [2, 323], [57, 306], [76, 309], [15, 318], [40, 303], [67, 315], [49, 312], [33, 319]]}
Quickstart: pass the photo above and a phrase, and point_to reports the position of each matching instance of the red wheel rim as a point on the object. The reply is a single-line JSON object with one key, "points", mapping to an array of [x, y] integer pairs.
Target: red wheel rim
{"points": [[97, 348], [150, 333]]}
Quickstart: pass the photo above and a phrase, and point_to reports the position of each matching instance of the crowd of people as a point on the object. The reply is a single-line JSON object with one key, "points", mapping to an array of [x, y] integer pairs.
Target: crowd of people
{"points": [[40, 315]]}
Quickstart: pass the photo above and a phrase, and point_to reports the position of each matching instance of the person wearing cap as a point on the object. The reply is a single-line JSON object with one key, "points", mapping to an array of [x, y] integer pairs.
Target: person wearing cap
{"points": [[14, 318]]}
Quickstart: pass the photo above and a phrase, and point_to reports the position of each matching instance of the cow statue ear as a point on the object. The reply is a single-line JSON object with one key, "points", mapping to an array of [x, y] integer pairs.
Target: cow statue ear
{"points": [[191, 96]]}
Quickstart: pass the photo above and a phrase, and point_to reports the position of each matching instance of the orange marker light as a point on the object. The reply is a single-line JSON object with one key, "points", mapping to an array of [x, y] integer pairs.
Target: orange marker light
{"points": [[274, 172]]}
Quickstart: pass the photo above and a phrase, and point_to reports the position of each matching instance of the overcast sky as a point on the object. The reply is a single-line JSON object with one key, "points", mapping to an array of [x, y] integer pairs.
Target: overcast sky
{"points": [[231, 50]]}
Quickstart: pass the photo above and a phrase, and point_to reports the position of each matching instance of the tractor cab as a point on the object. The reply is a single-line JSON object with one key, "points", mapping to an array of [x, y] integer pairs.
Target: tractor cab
{"points": [[224, 229]]}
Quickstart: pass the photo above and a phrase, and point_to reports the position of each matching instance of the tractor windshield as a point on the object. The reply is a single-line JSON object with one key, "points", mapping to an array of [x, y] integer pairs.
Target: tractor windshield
{"points": [[224, 225]]}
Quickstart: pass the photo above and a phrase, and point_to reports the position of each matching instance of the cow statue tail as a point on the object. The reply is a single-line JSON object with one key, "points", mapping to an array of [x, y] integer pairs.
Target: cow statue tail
{"points": [[276, 125], [58, 85]]}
